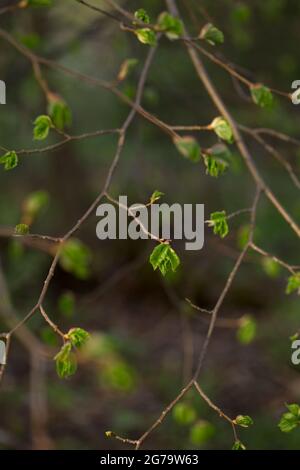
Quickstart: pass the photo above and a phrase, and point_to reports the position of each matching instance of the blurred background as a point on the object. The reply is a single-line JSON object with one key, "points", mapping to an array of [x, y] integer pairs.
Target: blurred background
{"points": [[144, 336]]}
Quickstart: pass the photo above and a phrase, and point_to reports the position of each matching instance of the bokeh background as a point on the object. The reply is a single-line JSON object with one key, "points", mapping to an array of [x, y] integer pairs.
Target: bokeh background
{"points": [[144, 336]]}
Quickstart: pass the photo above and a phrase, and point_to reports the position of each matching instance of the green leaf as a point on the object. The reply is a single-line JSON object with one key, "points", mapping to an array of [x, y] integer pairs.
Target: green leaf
{"points": [[293, 284], [238, 445], [215, 166], [66, 304], [142, 15], [164, 258], [243, 421], [35, 202], [211, 34], [9, 160], [219, 223], [109, 434], [146, 36], [156, 195], [42, 126], [247, 330], [294, 408], [201, 432], [59, 112], [271, 267], [170, 25], [222, 128], [126, 68], [261, 95], [78, 337], [21, 229], [290, 420], [66, 363], [188, 147], [184, 414], [75, 258]]}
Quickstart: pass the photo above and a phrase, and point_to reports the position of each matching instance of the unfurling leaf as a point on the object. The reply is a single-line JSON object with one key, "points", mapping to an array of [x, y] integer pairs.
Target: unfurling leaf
{"points": [[59, 112], [222, 128], [293, 284], [75, 258], [126, 68], [238, 445], [188, 147], [164, 258], [156, 195], [66, 363], [243, 421], [78, 337], [146, 36], [42, 126], [291, 419], [211, 34], [247, 329], [215, 166], [184, 414], [170, 25], [262, 95], [219, 223], [21, 229], [142, 15], [9, 160]]}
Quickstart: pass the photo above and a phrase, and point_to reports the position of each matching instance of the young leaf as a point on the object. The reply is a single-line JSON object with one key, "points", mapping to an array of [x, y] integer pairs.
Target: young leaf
{"points": [[219, 223], [59, 112], [75, 258], [9, 160], [34, 203], [238, 445], [164, 258], [66, 363], [21, 229], [188, 147], [261, 95], [126, 68], [146, 36], [78, 337], [184, 414], [215, 166], [142, 15], [201, 432], [42, 125], [247, 330], [156, 196], [170, 25], [243, 421], [211, 34], [290, 420], [270, 266], [222, 128], [293, 284]]}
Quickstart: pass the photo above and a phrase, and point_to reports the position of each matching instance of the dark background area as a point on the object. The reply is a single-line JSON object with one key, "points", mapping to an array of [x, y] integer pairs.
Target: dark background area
{"points": [[144, 336]]}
